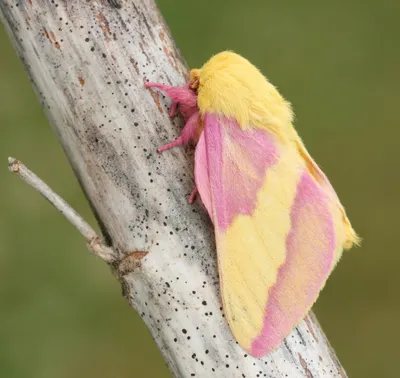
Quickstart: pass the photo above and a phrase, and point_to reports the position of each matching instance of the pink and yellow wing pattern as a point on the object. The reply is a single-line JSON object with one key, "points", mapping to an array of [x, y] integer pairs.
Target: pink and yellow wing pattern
{"points": [[278, 231], [279, 225]]}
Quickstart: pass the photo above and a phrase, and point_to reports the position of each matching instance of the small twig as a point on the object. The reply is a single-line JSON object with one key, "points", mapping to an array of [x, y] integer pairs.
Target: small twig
{"points": [[94, 241]]}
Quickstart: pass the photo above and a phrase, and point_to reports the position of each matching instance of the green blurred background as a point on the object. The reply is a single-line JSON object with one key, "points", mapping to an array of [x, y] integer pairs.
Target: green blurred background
{"points": [[61, 312]]}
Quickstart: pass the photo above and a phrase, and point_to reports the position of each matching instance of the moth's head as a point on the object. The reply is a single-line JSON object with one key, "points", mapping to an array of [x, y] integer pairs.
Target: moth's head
{"points": [[222, 64], [230, 85]]}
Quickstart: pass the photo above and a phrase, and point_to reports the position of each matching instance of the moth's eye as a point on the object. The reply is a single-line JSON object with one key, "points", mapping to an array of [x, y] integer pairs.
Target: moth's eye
{"points": [[194, 79], [195, 84]]}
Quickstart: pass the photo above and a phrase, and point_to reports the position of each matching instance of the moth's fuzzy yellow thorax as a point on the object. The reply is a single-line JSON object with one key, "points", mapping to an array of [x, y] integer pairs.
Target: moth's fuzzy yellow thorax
{"points": [[230, 85]]}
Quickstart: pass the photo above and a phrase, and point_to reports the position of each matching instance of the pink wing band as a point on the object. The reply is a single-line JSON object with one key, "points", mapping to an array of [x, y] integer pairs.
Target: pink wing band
{"points": [[306, 267], [220, 143]]}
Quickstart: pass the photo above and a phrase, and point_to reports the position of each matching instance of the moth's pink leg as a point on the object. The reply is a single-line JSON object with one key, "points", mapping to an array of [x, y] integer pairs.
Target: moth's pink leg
{"points": [[177, 94], [173, 108], [188, 132], [187, 99], [193, 195], [175, 103]]}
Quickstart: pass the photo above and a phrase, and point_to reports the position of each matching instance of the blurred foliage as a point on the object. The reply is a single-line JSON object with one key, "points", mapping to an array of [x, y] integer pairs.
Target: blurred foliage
{"points": [[61, 312]]}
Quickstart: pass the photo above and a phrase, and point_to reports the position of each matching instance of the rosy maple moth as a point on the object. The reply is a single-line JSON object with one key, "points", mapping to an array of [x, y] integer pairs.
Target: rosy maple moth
{"points": [[279, 226]]}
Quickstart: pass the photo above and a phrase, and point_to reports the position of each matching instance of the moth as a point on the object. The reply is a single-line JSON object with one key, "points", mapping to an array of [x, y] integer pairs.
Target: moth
{"points": [[279, 226]]}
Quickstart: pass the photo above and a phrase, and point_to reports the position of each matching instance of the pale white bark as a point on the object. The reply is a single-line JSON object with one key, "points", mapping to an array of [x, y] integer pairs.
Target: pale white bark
{"points": [[88, 62]]}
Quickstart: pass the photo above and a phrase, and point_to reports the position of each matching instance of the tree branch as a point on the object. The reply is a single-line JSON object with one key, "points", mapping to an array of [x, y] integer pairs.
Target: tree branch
{"points": [[93, 240], [88, 62]]}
